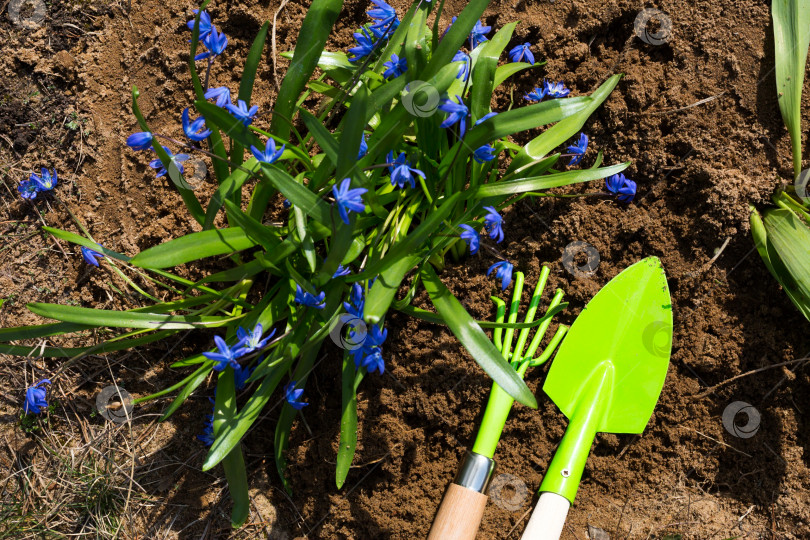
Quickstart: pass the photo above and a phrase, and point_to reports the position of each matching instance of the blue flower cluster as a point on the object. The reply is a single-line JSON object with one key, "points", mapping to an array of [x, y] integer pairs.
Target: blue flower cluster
{"points": [[369, 37], [91, 256], [348, 200], [293, 395], [369, 354], [36, 184], [195, 130], [248, 342], [35, 398], [623, 188], [304, 298], [214, 41], [493, 225]]}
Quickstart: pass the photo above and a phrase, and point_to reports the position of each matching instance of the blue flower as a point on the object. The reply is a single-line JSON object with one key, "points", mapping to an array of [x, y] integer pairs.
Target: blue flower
{"points": [[484, 153], [363, 147], [341, 271], [304, 298], [205, 24], [215, 43], [470, 236], [555, 90], [457, 112], [91, 256], [578, 149], [227, 356], [242, 113], [396, 66], [286, 203], [365, 45], [141, 140], [35, 398], [293, 395], [503, 270], [356, 301], [621, 186], [241, 375], [348, 200], [270, 154], [464, 69], [485, 117], [250, 341], [222, 94], [536, 95], [192, 129], [369, 355], [520, 52], [46, 182], [28, 189], [384, 15], [401, 170], [478, 34], [493, 223], [374, 361], [176, 159], [207, 436]]}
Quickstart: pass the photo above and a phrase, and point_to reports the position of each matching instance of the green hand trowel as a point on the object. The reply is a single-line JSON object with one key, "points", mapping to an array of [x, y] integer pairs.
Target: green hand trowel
{"points": [[606, 378], [463, 505]]}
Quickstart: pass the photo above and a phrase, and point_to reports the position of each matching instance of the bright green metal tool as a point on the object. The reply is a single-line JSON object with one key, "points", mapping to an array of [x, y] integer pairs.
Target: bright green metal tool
{"points": [[461, 510], [606, 378]]}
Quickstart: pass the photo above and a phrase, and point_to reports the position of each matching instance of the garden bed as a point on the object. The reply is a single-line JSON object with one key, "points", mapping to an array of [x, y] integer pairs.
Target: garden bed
{"points": [[698, 117]]}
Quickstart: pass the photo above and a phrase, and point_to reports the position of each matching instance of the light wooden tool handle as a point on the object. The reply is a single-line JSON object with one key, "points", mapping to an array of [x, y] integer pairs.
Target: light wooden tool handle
{"points": [[459, 514], [548, 518]]}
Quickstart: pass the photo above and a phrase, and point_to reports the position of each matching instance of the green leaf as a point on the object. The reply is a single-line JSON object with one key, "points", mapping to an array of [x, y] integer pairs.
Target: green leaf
{"points": [[563, 130], [125, 319], [249, 413], [513, 121], [348, 420], [201, 374], [547, 181], [483, 75], [354, 124], [381, 295], [254, 229], [791, 34], [298, 194], [413, 242], [111, 345], [41, 331], [321, 135], [252, 64], [82, 241], [788, 245], [234, 463], [192, 247], [288, 413], [474, 339], [245, 91], [315, 30], [507, 70], [227, 188]]}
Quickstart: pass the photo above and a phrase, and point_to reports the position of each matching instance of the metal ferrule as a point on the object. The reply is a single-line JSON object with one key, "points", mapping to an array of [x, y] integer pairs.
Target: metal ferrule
{"points": [[475, 472]]}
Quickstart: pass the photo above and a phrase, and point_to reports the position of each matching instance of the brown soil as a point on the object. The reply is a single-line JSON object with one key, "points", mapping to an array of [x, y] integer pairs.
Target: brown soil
{"points": [[697, 116]]}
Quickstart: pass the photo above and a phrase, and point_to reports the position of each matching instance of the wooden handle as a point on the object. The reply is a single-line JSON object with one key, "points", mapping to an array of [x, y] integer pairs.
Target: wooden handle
{"points": [[459, 515], [548, 518]]}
